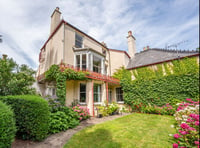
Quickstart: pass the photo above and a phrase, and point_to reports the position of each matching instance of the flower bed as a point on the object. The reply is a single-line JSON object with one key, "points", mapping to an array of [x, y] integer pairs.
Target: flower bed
{"points": [[187, 124], [83, 112]]}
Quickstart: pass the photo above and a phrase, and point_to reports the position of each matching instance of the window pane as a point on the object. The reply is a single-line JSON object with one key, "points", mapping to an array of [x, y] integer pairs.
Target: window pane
{"points": [[84, 61], [97, 92], [78, 61], [78, 41], [96, 64], [82, 92], [119, 94]]}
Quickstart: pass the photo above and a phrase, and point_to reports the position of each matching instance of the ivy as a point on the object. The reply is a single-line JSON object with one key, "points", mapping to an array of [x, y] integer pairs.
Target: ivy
{"points": [[178, 80], [60, 76]]}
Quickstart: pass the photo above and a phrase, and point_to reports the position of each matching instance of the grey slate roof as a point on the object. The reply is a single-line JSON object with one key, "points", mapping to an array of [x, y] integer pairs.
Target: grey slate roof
{"points": [[155, 55]]}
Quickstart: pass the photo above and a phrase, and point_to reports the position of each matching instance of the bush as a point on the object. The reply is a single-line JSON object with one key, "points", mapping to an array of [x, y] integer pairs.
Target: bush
{"points": [[108, 109], [83, 112], [7, 126], [32, 116], [187, 124], [164, 110], [58, 122]]}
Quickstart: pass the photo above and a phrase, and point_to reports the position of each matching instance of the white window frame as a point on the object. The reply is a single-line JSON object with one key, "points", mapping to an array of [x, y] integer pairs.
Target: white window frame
{"points": [[98, 93], [82, 92], [119, 101]]}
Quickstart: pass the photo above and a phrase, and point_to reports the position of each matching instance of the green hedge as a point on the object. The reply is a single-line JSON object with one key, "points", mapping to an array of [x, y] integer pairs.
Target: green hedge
{"points": [[32, 116], [7, 126], [160, 91]]}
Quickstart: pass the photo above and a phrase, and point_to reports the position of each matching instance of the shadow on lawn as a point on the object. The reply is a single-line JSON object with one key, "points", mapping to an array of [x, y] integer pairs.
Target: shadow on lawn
{"points": [[99, 138]]}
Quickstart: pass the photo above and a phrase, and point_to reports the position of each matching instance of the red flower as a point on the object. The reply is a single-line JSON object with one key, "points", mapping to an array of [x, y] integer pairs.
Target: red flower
{"points": [[175, 145]]}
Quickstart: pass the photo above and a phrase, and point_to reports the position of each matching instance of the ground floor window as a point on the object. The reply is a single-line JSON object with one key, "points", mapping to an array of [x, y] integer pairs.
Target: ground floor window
{"points": [[82, 92], [119, 94], [97, 92]]}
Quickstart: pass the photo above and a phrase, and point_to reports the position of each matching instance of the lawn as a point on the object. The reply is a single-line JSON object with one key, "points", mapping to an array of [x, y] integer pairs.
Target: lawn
{"points": [[132, 131]]}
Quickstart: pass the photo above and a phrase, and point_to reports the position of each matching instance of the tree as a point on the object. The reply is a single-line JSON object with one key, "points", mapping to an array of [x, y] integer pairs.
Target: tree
{"points": [[15, 79]]}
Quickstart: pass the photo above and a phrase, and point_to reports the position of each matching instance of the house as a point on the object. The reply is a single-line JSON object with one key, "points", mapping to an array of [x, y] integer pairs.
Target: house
{"points": [[77, 50]]}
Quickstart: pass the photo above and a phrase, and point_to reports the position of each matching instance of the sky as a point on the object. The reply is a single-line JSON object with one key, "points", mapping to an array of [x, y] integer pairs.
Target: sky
{"points": [[25, 24]]}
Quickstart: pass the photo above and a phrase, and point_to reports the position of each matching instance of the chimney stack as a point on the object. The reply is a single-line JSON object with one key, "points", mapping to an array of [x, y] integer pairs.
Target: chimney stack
{"points": [[131, 44], [55, 19], [4, 56]]}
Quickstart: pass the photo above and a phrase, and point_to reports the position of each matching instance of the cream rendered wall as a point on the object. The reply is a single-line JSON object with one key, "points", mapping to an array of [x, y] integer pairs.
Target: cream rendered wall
{"points": [[54, 50], [117, 60], [69, 92], [70, 43], [87, 42]]}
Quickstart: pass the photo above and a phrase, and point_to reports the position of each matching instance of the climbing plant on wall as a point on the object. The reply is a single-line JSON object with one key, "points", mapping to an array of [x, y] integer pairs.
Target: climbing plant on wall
{"points": [[60, 76], [178, 80]]}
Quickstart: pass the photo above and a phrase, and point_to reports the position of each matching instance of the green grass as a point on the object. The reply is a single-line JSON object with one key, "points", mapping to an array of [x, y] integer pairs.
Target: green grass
{"points": [[132, 131]]}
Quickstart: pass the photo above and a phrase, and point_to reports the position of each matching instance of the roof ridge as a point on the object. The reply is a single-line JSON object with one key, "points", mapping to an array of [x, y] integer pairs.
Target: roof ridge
{"points": [[170, 50]]}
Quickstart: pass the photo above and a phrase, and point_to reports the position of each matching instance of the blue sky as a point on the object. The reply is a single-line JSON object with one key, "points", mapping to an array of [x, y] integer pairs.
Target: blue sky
{"points": [[25, 24]]}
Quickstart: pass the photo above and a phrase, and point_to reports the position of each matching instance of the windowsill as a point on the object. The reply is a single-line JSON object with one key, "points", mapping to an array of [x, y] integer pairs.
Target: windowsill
{"points": [[120, 102], [97, 103], [82, 103]]}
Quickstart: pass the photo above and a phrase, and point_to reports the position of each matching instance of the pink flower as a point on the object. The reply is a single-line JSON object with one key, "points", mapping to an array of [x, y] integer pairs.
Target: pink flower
{"points": [[176, 136], [183, 132], [188, 99], [80, 118], [184, 126], [191, 129], [189, 120], [197, 123], [196, 142], [175, 145]]}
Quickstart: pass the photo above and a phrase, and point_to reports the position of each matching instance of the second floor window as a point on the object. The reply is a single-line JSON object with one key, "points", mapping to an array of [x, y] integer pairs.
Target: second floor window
{"points": [[78, 41], [81, 61], [96, 64]]}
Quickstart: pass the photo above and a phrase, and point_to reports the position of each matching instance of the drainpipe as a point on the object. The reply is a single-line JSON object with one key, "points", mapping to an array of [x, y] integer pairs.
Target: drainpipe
{"points": [[64, 43], [107, 91], [93, 97]]}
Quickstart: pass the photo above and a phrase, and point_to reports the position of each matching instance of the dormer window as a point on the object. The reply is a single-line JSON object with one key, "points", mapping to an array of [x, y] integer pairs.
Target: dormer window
{"points": [[78, 41]]}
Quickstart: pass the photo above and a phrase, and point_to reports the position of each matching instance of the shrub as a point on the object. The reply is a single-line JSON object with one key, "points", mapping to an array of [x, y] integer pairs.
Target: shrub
{"points": [[164, 110], [32, 116], [187, 124], [58, 122], [83, 112], [7, 126], [72, 117], [108, 109]]}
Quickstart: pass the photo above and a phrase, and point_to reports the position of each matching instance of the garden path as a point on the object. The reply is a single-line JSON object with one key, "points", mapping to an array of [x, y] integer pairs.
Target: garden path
{"points": [[58, 140]]}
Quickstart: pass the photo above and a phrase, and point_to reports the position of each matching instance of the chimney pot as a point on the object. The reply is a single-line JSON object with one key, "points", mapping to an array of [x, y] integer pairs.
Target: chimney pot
{"points": [[4, 56], [130, 33]]}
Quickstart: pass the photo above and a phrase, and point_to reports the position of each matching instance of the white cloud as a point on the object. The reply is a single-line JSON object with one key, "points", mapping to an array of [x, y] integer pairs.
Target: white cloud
{"points": [[25, 24]]}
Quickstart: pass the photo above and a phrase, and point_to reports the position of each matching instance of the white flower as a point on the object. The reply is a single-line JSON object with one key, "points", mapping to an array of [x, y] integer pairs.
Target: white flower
{"points": [[172, 126], [170, 135]]}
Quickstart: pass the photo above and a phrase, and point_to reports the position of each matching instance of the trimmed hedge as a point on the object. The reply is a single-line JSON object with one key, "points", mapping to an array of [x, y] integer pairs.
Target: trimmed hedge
{"points": [[7, 126], [32, 116]]}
